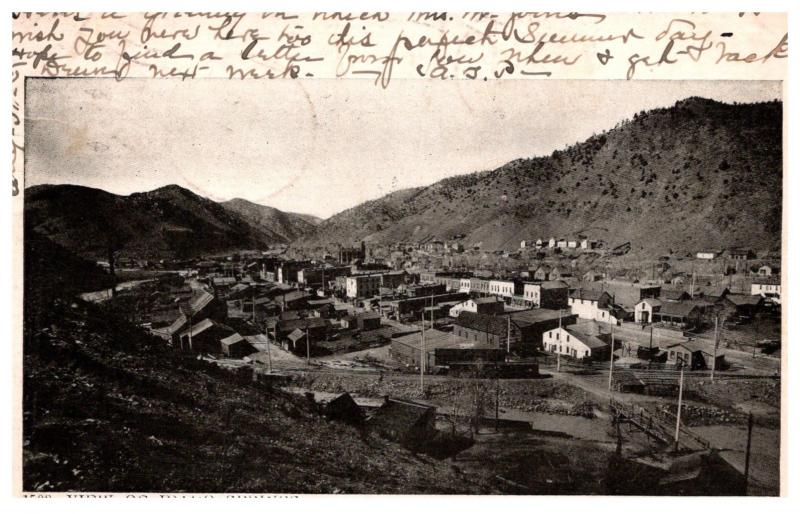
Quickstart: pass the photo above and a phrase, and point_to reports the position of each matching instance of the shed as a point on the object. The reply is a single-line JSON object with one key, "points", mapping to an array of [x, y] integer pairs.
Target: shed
{"points": [[235, 346], [343, 408], [410, 423]]}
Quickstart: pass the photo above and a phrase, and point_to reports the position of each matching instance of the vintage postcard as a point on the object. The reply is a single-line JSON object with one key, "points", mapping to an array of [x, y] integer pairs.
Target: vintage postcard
{"points": [[399, 253]]}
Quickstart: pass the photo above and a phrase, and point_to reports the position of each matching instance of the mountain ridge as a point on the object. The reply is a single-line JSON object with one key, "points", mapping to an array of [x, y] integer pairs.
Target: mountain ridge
{"points": [[698, 173], [314, 220], [166, 222], [289, 225]]}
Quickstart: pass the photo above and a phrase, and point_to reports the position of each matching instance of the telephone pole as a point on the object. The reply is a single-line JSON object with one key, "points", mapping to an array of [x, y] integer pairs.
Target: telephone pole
{"points": [[678, 417], [508, 336], [716, 345], [191, 315], [308, 346], [611, 360], [269, 353], [496, 398], [433, 305], [558, 354], [747, 451], [422, 355]]}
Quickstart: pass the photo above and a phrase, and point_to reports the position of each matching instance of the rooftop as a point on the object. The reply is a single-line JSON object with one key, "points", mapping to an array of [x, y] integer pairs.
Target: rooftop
{"points": [[533, 316], [744, 299], [438, 339], [589, 340], [482, 323], [232, 339], [593, 295], [677, 309]]}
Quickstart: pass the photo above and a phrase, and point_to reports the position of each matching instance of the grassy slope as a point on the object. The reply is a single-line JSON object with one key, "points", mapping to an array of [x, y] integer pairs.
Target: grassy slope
{"points": [[288, 225], [700, 173]]}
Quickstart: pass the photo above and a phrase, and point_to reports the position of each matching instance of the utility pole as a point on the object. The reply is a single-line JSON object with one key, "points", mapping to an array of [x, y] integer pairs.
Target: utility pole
{"points": [[496, 398], [716, 344], [422, 355], [269, 352], [747, 451], [308, 346], [508, 336], [611, 359], [558, 354], [191, 315], [432, 309], [680, 402]]}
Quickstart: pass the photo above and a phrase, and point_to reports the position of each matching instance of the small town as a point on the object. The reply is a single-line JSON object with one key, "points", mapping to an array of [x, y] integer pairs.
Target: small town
{"points": [[673, 362]]}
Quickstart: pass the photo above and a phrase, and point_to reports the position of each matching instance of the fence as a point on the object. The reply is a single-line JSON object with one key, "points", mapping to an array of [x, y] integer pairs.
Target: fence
{"points": [[659, 424]]}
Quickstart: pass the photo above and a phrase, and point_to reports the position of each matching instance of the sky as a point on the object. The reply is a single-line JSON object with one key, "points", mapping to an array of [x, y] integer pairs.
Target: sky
{"points": [[320, 146]]}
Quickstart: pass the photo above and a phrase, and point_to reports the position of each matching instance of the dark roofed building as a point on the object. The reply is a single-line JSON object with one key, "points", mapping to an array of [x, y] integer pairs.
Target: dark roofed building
{"points": [[293, 300], [742, 304], [205, 305], [171, 333], [368, 320], [519, 331], [404, 421], [236, 347], [204, 337], [592, 295], [481, 323], [629, 294], [343, 408], [674, 295], [682, 315], [291, 331], [693, 355]]}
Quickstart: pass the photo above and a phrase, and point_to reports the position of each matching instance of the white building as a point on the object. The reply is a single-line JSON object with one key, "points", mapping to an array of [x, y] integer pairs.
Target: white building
{"points": [[643, 311], [767, 287], [593, 305], [552, 242], [707, 255], [532, 292], [569, 341], [572, 244], [765, 271], [504, 288]]}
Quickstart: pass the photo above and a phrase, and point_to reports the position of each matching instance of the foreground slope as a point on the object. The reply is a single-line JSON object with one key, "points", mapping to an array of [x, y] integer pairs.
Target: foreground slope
{"points": [[700, 173], [107, 407]]}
